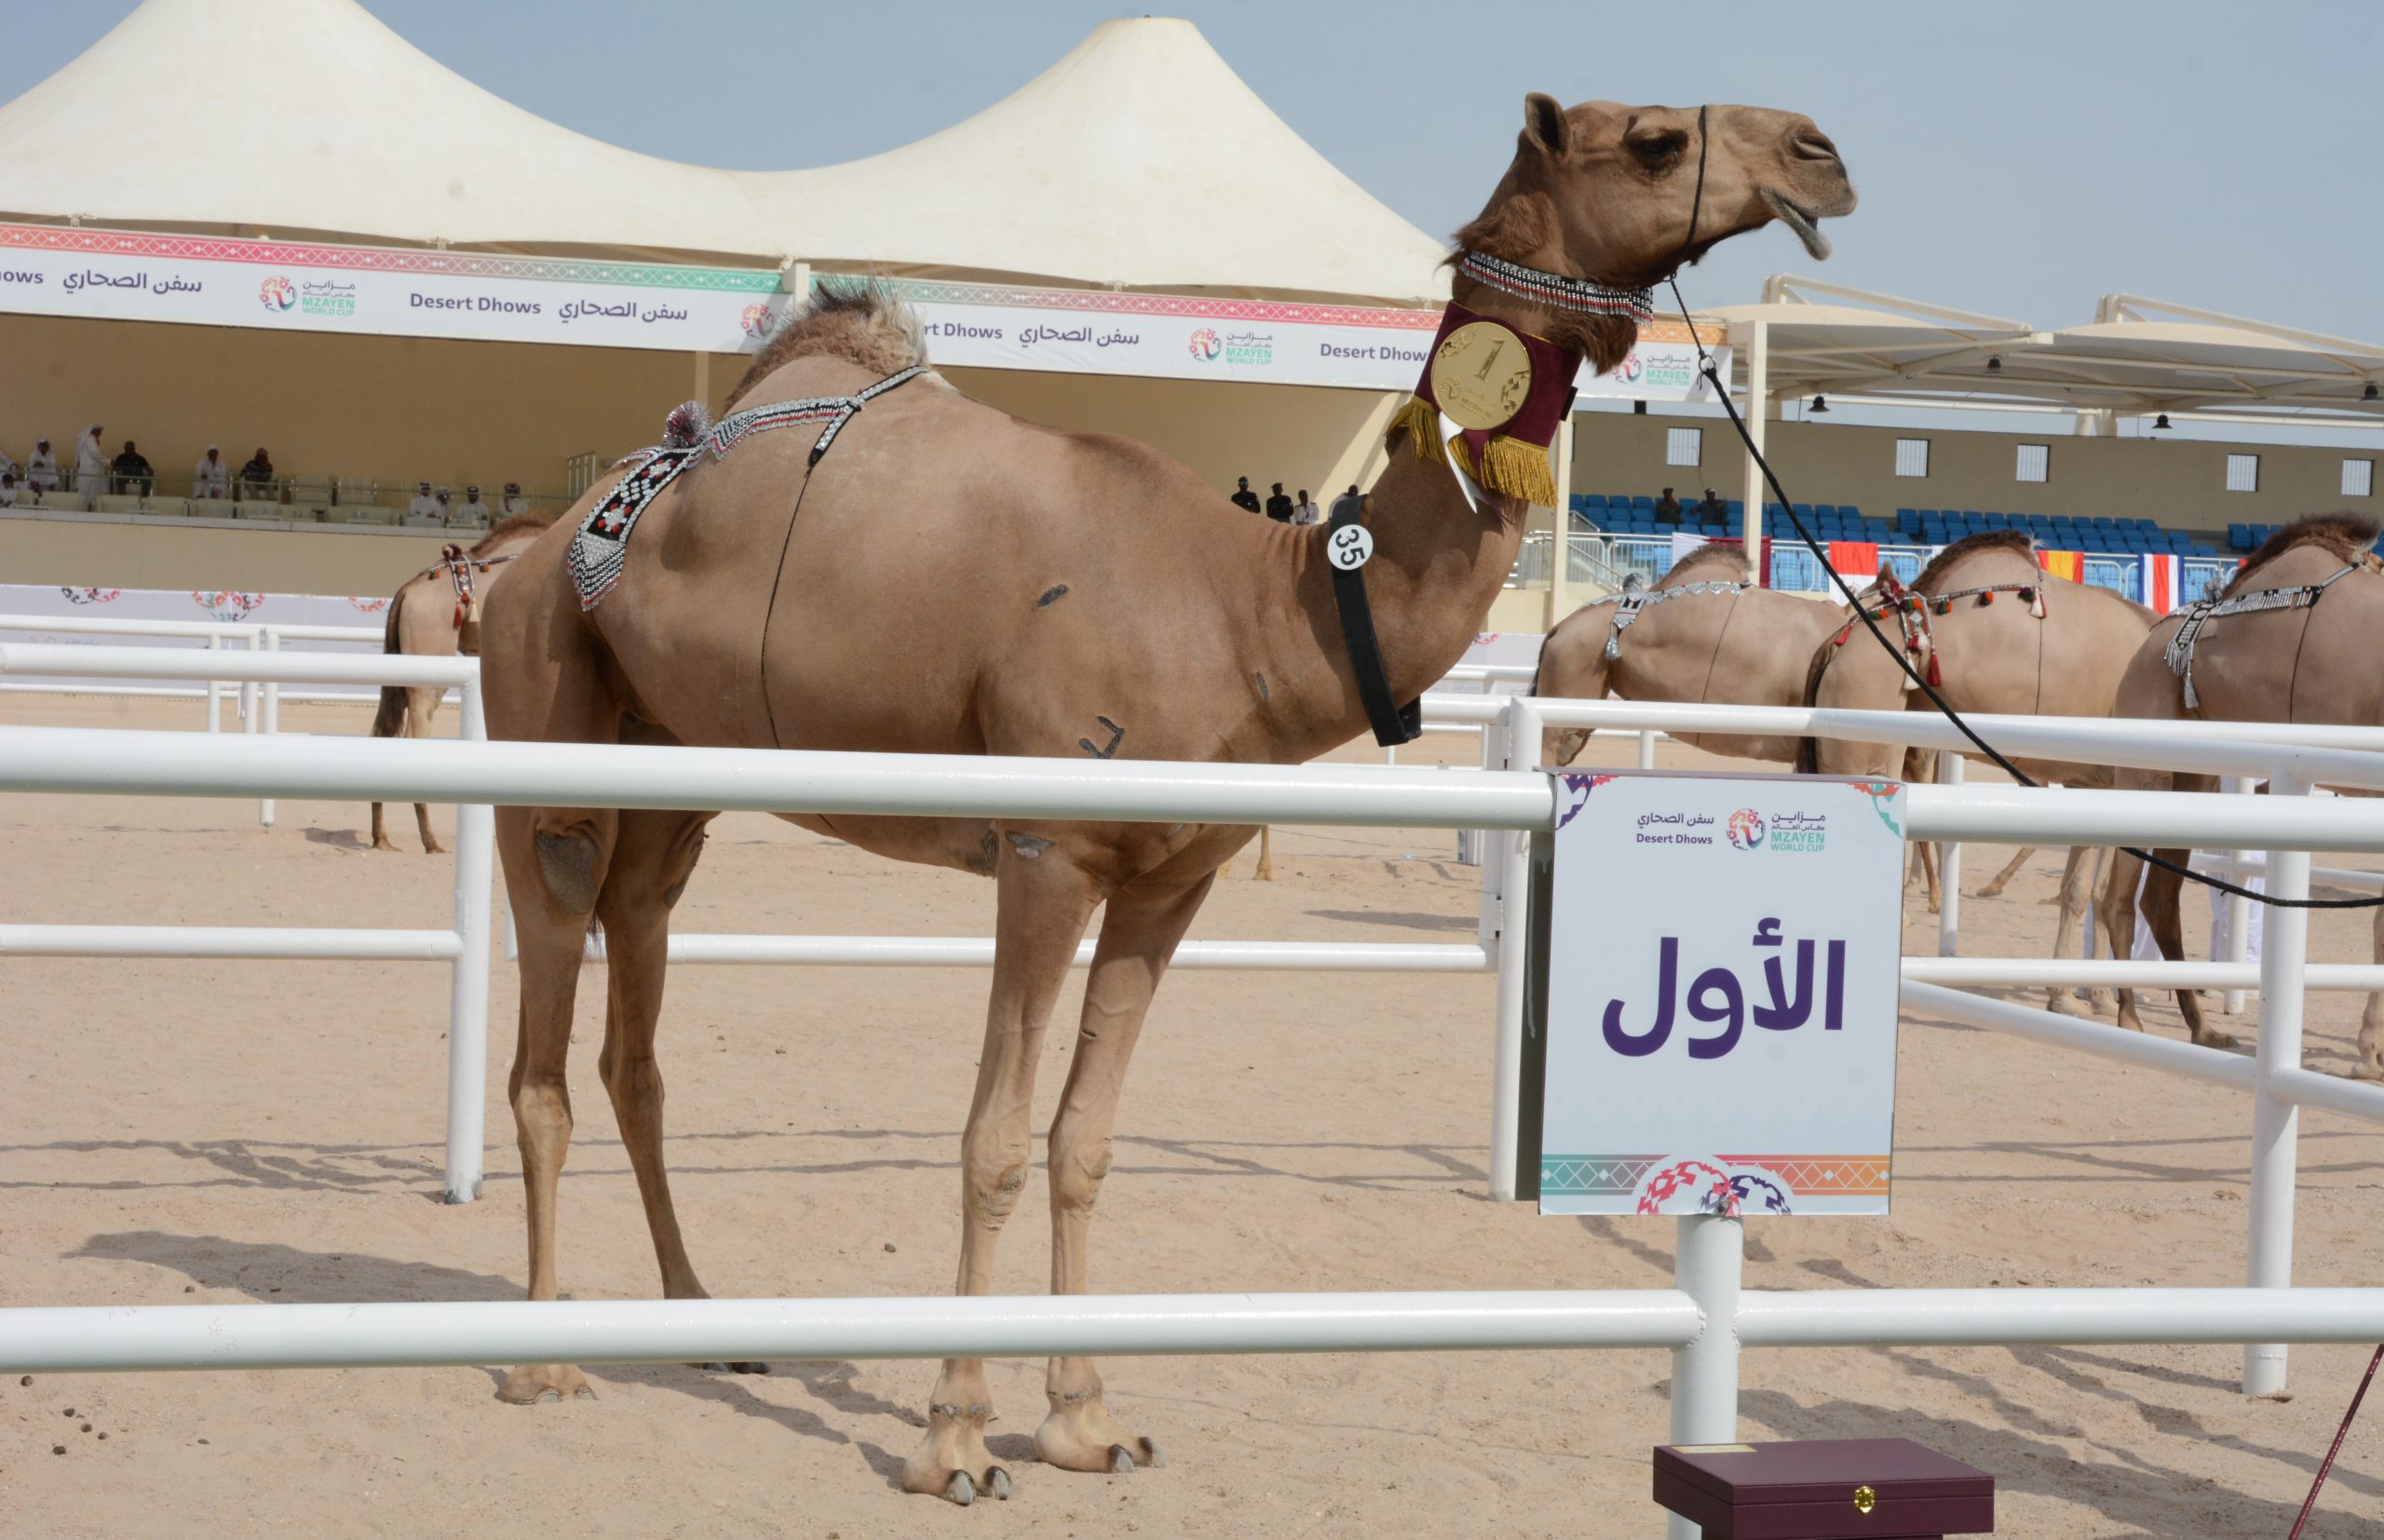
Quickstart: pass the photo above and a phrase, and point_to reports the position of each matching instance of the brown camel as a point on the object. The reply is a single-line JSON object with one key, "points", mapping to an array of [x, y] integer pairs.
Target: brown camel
{"points": [[2301, 662], [2000, 635], [428, 619], [962, 582], [1700, 635]]}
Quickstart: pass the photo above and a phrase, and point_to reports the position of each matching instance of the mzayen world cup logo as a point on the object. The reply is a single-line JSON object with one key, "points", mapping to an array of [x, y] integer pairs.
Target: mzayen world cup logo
{"points": [[1205, 346], [277, 293], [1746, 829], [757, 321]]}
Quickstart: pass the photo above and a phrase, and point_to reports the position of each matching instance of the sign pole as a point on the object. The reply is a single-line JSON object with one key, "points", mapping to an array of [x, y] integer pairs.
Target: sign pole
{"points": [[1708, 1260]]}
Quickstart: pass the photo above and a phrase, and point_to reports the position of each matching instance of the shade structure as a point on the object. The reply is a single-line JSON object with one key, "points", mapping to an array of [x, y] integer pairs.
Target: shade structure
{"points": [[1108, 169]]}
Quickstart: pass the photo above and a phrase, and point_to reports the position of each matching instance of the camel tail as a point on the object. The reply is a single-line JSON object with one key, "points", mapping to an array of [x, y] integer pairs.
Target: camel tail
{"points": [[1808, 754], [391, 719]]}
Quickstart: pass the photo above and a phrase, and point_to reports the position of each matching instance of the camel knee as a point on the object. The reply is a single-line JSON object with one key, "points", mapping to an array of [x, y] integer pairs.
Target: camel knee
{"points": [[567, 864], [541, 1112], [632, 1080], [1078, 1166], [994, 1187]]}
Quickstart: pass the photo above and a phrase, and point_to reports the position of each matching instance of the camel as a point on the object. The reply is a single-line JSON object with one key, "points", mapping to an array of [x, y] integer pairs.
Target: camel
{"points": [[433, 625], [2309, 662], [964, 582], [1700, 635], [1997, 634]]}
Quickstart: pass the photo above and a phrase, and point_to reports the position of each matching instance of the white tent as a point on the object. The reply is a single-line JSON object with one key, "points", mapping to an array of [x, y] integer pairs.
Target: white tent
{"points": [[1106, 169]]}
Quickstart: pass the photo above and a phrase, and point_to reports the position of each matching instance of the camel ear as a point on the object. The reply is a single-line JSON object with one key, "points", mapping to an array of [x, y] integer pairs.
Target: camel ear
{"points": [[1544, 124]]}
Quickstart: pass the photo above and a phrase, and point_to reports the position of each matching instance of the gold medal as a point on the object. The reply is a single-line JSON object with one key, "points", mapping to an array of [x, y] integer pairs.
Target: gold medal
{"points": [[1482, 375]]}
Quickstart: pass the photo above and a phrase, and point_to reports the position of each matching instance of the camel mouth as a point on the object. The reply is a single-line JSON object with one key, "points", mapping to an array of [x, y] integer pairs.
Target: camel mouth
{"points": [[1804, 221]]}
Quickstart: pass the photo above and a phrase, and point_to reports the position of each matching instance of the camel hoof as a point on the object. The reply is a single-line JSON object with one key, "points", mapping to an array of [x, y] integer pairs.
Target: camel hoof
{"points": [[997, 1483], [534, 1383], [2063, 1003], [431, 848], [2215, 1039], [1992, 891], [960, 1488], [1121, 1459], [2366, 1070], [385, 844]]}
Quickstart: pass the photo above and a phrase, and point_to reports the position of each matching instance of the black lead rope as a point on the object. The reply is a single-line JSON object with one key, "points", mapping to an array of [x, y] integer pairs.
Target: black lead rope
{"points": [[1393, 723], [1871, 624]]}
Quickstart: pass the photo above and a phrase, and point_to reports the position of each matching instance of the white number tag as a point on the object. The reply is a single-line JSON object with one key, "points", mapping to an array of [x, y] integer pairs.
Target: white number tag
{"points": [[1350, 547]]}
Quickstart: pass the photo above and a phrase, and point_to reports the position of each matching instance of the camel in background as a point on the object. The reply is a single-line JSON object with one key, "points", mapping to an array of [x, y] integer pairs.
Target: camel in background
{"points": [[1997, 634], [427, 618], [2313, 663], [962, 582], [1704, 637]]}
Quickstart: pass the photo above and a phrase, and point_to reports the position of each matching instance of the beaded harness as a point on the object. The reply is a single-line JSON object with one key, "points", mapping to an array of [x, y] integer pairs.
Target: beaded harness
{"points": [[602, 544], [1557, 291], [2179, 654], [1633, 603], [1912, 612]]}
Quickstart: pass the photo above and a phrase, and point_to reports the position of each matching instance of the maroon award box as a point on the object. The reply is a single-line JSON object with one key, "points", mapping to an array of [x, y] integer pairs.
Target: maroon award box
{"points": [[1830, 1488]]}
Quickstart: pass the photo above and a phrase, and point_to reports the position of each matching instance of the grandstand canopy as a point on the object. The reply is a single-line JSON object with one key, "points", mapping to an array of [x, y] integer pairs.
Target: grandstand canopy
{"points": [[2139, 356], [1105, 170]]}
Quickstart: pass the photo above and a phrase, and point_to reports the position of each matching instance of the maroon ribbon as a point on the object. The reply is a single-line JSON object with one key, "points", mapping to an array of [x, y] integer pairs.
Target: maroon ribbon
{"points": [[1554, 368]]}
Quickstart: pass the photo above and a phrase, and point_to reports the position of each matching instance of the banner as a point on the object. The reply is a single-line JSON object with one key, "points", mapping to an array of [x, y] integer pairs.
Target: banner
{"points": [[1721, 982], [1268, 342], [209, 280], [23, 606]]}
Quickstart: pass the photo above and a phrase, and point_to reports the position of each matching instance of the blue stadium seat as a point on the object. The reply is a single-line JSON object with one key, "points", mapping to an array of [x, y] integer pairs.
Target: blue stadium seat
{"points": [[2239, 538]]}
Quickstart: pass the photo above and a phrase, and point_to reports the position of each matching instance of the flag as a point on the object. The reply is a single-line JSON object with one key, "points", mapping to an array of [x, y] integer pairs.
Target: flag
{"points": [[1855, 558], [1683, 545], [2068, 564], [2158, 584]]}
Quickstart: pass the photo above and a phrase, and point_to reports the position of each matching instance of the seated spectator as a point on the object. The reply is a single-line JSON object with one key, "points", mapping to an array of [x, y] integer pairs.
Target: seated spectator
{"points": [[446, 507], [423, 512], [1243, 497], [257, 474], [134, 475], [7, 489], [41, 468], [212, 476], [1668, 509], [512, 502], [1279, 507], [1305, 511], [473, 510], [1713, 510], [8, 467]]}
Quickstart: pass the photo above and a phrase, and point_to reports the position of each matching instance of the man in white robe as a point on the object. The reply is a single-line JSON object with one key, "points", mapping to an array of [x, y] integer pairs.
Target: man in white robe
{"points": [[512, 502], [90, 464], [424, 511], [472, 512], [41, 468], [212, 477]]}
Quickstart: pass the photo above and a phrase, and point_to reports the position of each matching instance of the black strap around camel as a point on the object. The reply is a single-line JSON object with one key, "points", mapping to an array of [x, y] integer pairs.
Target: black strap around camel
{"points": [[1393, 723]]}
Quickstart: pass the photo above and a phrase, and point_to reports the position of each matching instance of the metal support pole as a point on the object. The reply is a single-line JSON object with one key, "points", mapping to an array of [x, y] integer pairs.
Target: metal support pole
{"points": [[1560, 545], [1708, 1256], [467, 1001], [2238, 913], [214, 691], [1758, 411], [2276, 1124], [1647, 750], [1513, 855], [1949, 871], [272, 720]]}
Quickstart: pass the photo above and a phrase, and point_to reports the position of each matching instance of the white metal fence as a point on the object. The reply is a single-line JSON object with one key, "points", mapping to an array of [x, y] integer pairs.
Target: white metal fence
{"points": [[1704, 1319]]}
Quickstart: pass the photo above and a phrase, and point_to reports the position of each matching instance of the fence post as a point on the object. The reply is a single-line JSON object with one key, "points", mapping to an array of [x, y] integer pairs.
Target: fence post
{"points": [[214, 691], [272, 707], [1513, 849], [2276, 1124], [1647, 749], [2238, 912], [467, 1002], [1949, 871], [1708, 1258]]}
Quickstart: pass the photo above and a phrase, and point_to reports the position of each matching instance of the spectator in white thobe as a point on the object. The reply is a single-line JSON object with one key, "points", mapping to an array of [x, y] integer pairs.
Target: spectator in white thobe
{"points": [[41, 468], [91, 463], [472, 511], [7, 489], [212, 477], [8, 467], [424, 511], [512, 502]]}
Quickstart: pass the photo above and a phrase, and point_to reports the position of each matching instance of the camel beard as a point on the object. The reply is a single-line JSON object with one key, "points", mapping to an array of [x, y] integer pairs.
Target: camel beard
{"points": [[1509, 456]]}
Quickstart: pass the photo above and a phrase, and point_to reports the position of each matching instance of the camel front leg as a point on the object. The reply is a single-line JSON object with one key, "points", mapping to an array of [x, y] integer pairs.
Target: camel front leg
{"points": [[1045, 900], [1139, 933], [2003, 878], [2162, 890], [2069, 940], [2370, 1064], [2116, 908]]}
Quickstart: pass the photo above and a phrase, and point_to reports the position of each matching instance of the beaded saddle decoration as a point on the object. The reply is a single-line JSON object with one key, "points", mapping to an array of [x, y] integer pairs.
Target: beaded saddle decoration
{"points": [[602, 545]]}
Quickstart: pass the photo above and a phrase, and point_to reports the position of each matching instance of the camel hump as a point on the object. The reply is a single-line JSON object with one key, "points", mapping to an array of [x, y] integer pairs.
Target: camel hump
{"points": [[860, 320]]}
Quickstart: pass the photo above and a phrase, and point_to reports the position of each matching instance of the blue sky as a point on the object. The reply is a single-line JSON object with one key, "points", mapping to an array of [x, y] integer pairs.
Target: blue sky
{"points": [[2019, 158]]}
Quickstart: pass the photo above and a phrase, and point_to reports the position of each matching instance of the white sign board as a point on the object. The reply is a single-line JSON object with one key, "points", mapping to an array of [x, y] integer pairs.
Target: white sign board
{"points": [[1721, 996]]}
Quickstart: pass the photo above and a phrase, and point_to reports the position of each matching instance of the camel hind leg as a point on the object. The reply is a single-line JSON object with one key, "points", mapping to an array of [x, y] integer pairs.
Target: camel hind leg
{"points": [[2162, 890], [394, 719], [2369, 1065], [420, 704], [2070, 939]]}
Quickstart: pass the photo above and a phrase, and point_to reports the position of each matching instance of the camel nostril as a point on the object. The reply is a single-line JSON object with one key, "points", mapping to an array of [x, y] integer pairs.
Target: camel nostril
{"points": [[1815, 145]]}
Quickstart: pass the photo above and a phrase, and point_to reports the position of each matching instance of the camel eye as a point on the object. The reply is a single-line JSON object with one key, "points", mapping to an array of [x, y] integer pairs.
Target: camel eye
{"points": [[1656, 149]]}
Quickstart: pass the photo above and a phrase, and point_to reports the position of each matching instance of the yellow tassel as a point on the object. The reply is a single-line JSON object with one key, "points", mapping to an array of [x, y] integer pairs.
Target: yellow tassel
{"points": [[1519, 469], [1423, 426]]}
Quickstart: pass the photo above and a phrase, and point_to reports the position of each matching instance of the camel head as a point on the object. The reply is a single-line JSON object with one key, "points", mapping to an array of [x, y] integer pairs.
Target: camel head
{"points": [[1606, 192]]}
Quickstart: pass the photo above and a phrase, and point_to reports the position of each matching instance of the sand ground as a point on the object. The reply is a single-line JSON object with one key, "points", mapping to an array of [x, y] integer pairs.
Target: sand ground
{"points": [[181, 1131]]}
